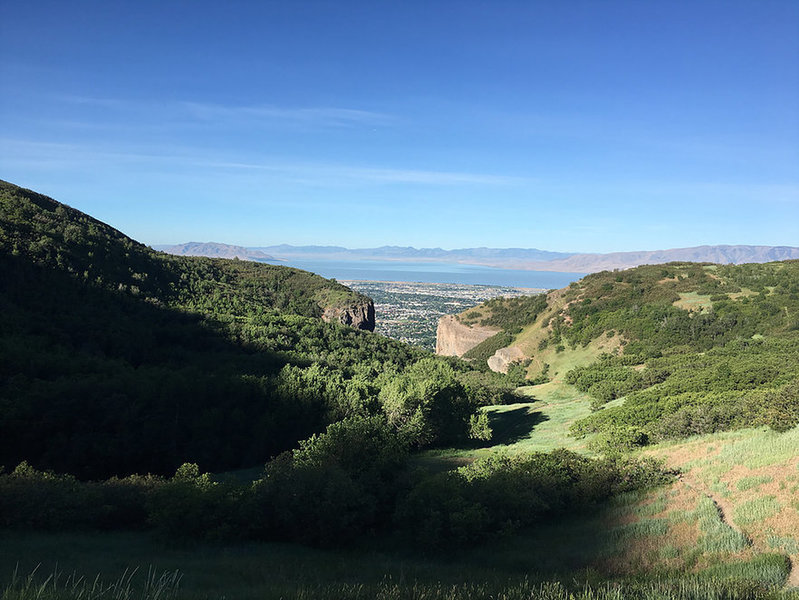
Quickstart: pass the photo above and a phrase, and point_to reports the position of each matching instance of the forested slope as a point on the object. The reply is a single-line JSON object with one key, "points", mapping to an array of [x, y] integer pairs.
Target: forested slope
{"points": [[116, 359]]}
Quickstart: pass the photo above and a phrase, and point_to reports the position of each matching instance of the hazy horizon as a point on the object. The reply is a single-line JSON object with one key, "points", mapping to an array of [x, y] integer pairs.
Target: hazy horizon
{"points": [[453, 249]]}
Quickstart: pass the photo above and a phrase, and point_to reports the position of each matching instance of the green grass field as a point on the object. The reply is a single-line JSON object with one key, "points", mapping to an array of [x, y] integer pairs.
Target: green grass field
{"points": [[580, 552], [694, 301], [557, 406], [540, 425]]}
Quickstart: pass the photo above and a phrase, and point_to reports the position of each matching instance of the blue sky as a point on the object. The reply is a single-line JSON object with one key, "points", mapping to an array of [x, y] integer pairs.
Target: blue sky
{"points": [[562, 125]]}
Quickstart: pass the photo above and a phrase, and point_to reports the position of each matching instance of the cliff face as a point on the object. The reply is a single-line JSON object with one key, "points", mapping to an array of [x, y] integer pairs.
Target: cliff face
{"points": [[360, 315], [453, 338]]}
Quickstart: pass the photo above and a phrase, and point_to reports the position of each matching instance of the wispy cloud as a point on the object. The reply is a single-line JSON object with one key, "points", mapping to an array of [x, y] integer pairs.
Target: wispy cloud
{"points": [[328, 172], [330, 116], [112, 103], [69, 156], [263, 114]]}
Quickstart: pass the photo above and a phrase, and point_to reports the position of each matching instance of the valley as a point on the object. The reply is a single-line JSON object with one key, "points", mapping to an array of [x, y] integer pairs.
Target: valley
{"points": [[399, 300], [196, 428]]}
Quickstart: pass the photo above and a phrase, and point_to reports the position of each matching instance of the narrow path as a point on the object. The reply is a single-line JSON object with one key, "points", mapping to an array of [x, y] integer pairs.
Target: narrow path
{"points": [[793, 575], [722, 505], [725, 508]]}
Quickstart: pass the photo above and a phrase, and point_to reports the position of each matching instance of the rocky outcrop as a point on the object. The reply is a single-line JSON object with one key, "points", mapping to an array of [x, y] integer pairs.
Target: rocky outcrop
{"points": [[453, 338], [360, 315], [503, 358]]}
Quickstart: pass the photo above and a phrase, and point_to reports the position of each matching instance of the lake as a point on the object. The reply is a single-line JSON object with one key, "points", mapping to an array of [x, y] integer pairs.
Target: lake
{"points": [[431, 272]]}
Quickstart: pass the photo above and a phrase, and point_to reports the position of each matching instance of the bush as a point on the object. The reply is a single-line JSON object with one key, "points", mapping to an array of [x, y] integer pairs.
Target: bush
{"points": [[33, 499], [310, 504], [697, 419], [617, 440], [780, 408], [479, 429], [194, 506], [428, 404], [334, 487], [500, 494]]}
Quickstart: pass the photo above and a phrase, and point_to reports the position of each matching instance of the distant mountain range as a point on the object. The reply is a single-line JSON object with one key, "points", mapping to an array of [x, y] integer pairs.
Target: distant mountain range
{"points": [[411, 253], [592, 263], [507, 258], [216, 250]]}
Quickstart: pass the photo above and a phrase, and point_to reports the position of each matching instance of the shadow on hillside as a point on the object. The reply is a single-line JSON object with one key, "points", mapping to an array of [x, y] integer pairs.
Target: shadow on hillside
{"points": [[112, 383], [513, 425]]}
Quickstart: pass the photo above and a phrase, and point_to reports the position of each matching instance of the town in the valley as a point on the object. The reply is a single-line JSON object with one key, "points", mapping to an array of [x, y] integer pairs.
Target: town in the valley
{"points": [[409, 311]]}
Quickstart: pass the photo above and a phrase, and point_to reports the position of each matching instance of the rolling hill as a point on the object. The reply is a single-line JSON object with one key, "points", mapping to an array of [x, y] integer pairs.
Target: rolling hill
{"points": [[694, 348]]}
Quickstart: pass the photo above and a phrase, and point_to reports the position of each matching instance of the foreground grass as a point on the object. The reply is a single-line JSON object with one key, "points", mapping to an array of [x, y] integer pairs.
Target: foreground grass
{"points": [[753, 473], [737, 499], [167, 587], [624, 540], [89, 567]]}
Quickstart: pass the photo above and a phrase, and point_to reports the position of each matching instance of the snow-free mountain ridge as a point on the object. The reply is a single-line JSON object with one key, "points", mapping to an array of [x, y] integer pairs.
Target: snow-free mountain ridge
{"points": [[507, 258]]}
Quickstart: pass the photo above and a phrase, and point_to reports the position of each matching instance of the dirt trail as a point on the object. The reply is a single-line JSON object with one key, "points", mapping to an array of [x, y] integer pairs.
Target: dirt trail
{"points": [[725, 508], [722, 505], [793, 576]]}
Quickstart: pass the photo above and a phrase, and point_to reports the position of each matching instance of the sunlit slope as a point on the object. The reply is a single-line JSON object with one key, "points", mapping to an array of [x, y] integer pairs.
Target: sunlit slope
{"points": [[654, 308], [733, 511], [692, 348], [697, 365]]}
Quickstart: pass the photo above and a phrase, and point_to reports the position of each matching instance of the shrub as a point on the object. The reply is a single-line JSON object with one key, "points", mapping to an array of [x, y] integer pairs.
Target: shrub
{"points": [[34, 499], [335, 486], [781, 408], [499, 494], [428, 404], [193, 505], [617, 440]]}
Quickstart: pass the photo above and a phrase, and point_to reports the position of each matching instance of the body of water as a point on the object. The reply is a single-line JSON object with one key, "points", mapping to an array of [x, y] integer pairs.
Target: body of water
{"points": [[432, 272]]}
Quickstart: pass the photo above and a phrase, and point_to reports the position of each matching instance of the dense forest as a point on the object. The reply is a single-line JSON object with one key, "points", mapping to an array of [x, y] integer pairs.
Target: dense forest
{"points": [[116, 359]]}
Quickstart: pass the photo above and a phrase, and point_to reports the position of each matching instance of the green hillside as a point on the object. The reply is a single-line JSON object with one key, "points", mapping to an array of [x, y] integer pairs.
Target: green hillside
{"points": [[691, 348], [117, 359], [52, 235], [697, 365]]}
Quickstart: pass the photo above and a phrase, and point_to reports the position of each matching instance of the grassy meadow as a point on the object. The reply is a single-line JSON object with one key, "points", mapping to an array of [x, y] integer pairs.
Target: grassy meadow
{"points": [[542, 424]]}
